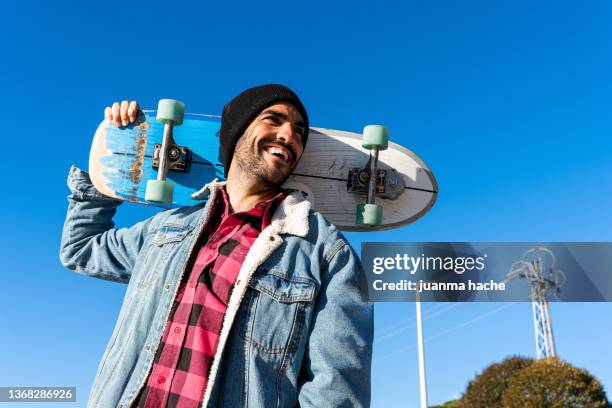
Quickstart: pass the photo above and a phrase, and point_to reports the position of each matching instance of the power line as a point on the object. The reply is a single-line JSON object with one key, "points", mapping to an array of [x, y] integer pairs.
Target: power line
{"points": [[392, 331], [449, 330]]}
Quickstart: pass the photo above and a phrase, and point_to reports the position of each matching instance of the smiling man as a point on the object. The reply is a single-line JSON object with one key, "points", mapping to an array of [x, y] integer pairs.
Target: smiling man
{"points": [[251, 299]]}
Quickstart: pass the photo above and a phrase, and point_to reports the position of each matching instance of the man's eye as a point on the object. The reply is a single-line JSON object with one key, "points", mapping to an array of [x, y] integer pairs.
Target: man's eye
{"points": [[272, 119]]}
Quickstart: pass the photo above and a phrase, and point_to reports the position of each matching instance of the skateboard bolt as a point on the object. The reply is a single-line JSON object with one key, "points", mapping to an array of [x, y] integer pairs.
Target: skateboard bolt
{"points": [[174, 153], [364, 176]]}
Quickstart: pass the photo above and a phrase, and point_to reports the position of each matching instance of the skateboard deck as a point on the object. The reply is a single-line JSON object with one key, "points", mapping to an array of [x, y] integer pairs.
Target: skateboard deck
{"points": [[122, 159]]}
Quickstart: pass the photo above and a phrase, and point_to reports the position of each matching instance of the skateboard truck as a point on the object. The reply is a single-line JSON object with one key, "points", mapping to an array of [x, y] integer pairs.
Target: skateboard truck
{"points": [[389, 183], [169, 112], [375, 138], [179, 156]]}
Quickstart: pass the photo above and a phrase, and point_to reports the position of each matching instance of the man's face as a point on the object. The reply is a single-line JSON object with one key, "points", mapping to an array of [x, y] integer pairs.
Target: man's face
{"points": [[272, 144]]}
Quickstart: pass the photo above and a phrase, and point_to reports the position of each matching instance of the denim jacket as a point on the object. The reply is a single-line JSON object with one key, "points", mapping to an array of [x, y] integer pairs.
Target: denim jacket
{"points": [[296, 331]]}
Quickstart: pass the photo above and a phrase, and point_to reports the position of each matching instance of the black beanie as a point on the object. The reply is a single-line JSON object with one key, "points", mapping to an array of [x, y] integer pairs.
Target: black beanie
{"points": [[240, 112]]}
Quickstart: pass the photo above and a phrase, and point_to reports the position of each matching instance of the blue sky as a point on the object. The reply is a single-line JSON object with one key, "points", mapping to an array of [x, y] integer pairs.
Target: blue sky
{"points": [[507, 102]]}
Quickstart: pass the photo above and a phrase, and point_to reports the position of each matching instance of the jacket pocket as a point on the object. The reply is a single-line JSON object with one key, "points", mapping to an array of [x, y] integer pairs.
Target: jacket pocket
{"points": [[164, 242], [170, 232], [275, 307]]}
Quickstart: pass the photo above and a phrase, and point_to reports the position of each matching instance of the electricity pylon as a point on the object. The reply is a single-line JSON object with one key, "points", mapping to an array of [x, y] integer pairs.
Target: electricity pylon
{"points": [[544, 280]]}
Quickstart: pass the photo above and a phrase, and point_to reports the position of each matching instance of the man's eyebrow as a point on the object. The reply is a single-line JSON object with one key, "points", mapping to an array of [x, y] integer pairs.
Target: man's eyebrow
{"points": [[281, 115]]}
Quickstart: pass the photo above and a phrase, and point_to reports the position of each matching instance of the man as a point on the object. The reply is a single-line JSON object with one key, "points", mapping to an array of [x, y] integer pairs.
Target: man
{"points": [[251, 299]]}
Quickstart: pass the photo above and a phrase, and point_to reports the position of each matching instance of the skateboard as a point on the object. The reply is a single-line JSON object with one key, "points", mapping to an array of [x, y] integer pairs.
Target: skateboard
{"points": [[168, 155]]}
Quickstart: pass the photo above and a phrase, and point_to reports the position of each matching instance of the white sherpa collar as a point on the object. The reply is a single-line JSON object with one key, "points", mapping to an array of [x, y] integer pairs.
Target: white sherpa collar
{"points": [[291, 217]]}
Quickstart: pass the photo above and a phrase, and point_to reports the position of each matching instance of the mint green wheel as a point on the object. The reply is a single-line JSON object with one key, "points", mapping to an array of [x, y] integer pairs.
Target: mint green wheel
{"points": [[159, 191], [375, 137], [369, 215], [170, 110]]}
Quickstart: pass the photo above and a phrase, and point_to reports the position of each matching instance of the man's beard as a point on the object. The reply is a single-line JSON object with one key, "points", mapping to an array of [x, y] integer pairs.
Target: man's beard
{"points": [[256, 166]]}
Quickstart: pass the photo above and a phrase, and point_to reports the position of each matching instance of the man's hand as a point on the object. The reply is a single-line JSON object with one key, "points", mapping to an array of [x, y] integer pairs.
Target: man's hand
{"points": [[122, 113]]}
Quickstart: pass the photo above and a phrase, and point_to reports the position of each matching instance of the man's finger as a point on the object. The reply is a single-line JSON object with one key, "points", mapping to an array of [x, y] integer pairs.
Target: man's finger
{"points": [[133, 111], [108, 113], [124, 113], [116, 119]]}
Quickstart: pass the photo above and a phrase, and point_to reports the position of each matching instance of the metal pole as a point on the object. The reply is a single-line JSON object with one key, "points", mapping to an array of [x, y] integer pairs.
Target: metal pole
{"points": [[164, 161], [422, 375], [534, 306], [371, 196], [551, 339]]}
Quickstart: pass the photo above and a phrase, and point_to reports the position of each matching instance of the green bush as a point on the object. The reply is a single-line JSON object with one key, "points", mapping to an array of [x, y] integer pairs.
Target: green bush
{"points": [[553, 383], [486, 389]]}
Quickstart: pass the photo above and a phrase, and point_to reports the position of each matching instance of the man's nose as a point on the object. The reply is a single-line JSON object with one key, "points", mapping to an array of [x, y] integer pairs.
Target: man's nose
{"points": [[286, 133]]}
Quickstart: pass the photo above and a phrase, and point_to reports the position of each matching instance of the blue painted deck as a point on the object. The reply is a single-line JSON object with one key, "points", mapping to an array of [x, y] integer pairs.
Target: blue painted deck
{"points": [[199, 133]]}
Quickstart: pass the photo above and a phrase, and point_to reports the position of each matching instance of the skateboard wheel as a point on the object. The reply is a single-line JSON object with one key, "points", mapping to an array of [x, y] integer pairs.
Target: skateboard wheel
{"points": [[170, 110], [375, 137], [159, 191], [369, 214]]}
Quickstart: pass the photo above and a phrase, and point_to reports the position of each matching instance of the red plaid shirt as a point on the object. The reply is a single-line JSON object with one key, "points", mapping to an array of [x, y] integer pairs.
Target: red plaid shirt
{"points": [[189, 342]]}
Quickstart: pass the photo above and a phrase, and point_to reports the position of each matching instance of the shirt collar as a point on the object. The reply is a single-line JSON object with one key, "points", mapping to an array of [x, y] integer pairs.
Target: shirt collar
{"points": [[263, 210]]}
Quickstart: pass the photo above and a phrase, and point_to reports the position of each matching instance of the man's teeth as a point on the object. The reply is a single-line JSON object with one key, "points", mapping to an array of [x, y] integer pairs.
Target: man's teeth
{"points": [[278, 152]]}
